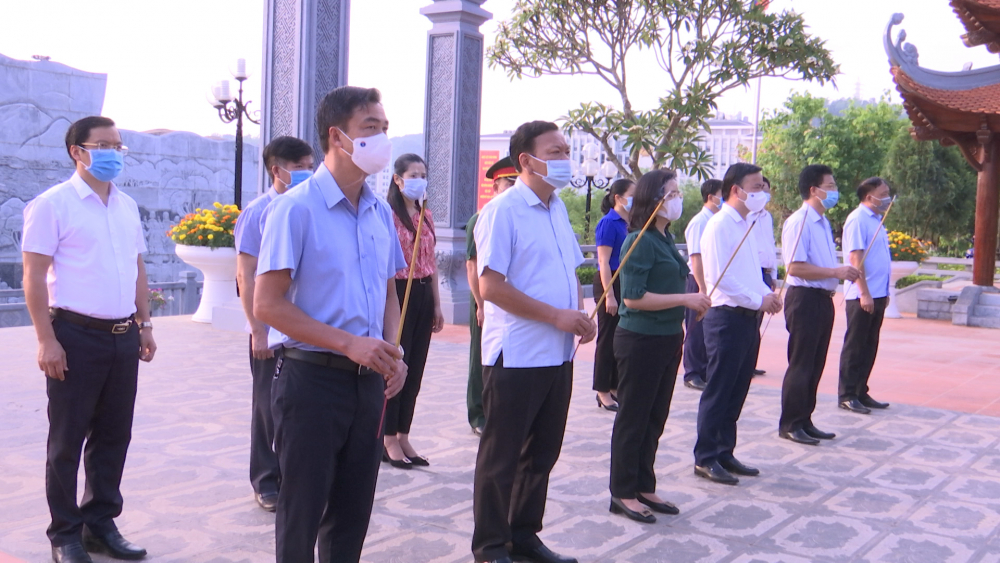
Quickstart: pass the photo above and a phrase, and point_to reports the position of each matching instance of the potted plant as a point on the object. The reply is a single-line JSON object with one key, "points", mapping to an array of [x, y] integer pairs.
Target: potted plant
{"points": [[205, 241], [907, 252]]}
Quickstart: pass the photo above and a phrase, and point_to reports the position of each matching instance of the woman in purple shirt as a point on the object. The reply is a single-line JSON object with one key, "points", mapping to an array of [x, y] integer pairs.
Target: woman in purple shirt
{"points": [[609, 236]]}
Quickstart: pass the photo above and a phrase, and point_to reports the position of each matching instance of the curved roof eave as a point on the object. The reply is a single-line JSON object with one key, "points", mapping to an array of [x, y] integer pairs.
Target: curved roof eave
{"points": [[905, 56]]}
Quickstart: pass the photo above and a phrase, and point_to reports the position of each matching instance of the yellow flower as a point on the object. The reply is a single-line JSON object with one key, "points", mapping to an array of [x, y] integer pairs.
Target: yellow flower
{"points": [[210, 237], [182, 237]]}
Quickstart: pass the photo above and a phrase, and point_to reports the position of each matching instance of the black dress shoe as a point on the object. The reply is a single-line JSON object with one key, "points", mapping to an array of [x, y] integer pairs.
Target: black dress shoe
{"points": [[618, 507], [112, 544], [855, 405], [757, 372], [397, 463], [695, 383], [661, 507], [71, 553], [735, 466], [419, 461], [477, 430], [798, 436], [538, 554], [872, 403], [814, 432], [716, 473], [267, 501], [613, 407]]}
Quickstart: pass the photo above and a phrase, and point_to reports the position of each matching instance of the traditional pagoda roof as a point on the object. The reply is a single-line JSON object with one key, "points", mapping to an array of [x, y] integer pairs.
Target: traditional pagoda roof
{"points": [[981, 19], [951, 107]]}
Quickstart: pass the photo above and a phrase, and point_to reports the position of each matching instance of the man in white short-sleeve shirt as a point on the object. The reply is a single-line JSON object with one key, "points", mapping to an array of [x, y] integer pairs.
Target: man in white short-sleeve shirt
{"points": [[85, 288], [867, 298], [527, 259], [695, 358]]}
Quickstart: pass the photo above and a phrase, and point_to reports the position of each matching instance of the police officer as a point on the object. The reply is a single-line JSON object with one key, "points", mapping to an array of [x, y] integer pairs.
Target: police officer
{"points": [[813, 274], [527, 263], [289, 162], [503, 175], [92, 320], [325, 286]]}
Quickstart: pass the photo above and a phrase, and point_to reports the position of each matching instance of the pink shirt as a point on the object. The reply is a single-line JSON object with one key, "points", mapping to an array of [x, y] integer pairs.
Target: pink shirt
{"points": [[426, 265]]}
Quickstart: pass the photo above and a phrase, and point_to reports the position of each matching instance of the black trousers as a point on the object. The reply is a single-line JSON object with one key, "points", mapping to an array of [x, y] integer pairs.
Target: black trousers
{"points": [[329, 444], [809, 319], [731, 338], [525, 421], [416, 341], [605, 365], [648, 366], [264, 474], [760, 319], [695, 356], [474, 388], [94, 404], [857, 358]]}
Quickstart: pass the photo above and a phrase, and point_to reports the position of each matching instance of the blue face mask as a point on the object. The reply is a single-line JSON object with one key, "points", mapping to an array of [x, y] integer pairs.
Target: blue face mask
{"points": [[558, 173], [831, 199], [105, 164], [628, 203], [298, 176]]}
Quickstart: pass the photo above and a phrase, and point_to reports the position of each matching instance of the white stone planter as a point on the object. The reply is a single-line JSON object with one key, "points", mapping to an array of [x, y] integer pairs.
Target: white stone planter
{"points": [[900, 270], [219, 267]]}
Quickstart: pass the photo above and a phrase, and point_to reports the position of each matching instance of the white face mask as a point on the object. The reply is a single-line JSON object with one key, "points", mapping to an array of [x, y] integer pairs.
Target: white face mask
{"points": [[672, 210], [755, 202], [558, 172], [414, 188], [371, 154]]}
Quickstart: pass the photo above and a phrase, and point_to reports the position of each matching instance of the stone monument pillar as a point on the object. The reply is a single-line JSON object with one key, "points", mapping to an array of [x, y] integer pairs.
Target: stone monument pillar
{"points": [[451, 138], [305, 56]]}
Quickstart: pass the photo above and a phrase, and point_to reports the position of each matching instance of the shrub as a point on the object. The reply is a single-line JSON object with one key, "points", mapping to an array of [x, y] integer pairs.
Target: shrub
{"points": [[912, 279], [586, 274], [905, 247], [207, 227]]}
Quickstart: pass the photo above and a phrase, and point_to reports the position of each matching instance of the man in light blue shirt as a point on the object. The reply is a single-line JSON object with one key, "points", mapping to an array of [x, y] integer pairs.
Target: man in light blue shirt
{"points": [[325, 286], [289, 161], [867, 298], [812, 276], [695, 356]]}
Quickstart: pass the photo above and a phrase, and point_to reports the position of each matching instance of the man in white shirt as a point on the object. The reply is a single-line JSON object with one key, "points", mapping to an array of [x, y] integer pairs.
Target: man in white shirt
{"points": [[731, 336], [85, 288], [866, 299], [763, 232], [695, 359], [289, 162], [813, 274], [527, 260]]}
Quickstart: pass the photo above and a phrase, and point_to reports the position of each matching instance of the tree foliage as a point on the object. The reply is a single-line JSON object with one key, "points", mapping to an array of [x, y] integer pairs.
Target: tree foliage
{"points": [[704, 48], [854, 144], [936, 190]]}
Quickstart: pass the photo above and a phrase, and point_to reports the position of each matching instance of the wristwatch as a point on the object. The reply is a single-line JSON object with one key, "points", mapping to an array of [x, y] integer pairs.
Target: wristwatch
{"points": [[145, 324]]}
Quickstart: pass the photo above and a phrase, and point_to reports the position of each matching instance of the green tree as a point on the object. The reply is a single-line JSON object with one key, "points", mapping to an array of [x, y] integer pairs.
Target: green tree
{"points": [[576, 208], [853, 143], [935, 187], [704, 48]]}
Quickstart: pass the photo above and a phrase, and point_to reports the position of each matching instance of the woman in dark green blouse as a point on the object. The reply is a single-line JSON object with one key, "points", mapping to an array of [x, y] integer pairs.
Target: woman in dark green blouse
{"points": [[648, 345]]}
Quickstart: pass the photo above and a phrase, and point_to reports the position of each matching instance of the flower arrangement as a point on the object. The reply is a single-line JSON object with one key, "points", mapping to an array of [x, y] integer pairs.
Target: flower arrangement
{"points": [[904, 247], [207, 227], [158, 299]]}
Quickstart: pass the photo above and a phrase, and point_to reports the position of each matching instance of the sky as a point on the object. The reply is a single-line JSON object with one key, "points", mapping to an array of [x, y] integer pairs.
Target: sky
{"points": [[162, 58]]}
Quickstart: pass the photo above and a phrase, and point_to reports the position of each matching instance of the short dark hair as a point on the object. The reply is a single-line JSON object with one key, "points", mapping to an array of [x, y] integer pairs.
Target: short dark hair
{"points": [[710, 188], [79, 132], [619, 187], [735, 174], [337, 107], [523, 140], [811, 176], [766, 181], [869, 186], [648, 194], [286, 148]]}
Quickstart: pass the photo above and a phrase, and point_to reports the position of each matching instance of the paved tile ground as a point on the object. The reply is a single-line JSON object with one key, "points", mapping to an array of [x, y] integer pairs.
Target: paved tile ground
{"points": [[908, 485]]}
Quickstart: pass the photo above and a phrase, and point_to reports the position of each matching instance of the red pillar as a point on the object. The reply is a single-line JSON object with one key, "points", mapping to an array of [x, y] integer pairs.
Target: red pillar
{"points": [[987, 211]]}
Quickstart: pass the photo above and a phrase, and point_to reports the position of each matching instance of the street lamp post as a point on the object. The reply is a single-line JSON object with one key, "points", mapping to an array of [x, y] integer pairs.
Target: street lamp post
{"points": [[592, 175], [234, 109]]}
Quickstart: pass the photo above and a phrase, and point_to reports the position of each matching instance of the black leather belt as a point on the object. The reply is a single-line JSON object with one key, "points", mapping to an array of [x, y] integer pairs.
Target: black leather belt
{"points": [[114, 326], [819, 290], [739, 310], [325, 359]]}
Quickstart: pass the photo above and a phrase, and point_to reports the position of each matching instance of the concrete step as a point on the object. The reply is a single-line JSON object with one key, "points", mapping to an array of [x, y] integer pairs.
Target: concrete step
{"points": [[990, 299], [986, 311], [985, 322]]}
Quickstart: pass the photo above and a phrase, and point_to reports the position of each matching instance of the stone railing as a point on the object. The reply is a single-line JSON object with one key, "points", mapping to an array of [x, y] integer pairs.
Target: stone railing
{"points": [[181, 299]]}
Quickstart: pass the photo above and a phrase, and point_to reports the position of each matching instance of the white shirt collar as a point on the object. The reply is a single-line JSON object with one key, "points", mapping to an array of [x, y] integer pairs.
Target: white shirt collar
{"points": [[732, 213], [84, 190], [529, 196]]}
